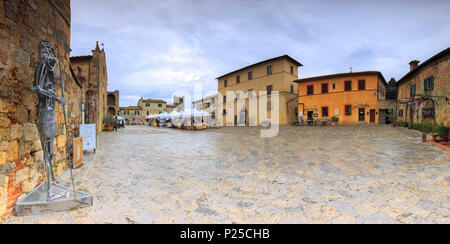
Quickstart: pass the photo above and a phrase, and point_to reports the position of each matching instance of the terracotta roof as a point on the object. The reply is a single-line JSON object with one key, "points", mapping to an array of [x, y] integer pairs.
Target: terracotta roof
{"points": [[153, 100], [131, 108], [338, 75], [268, 60], [441, 54]]}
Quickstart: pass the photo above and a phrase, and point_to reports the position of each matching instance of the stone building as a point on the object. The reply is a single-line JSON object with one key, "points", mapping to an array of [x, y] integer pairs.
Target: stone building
{"points": [[352, 97], [92, 70], [112, 100], [275, 74], [152, 106], [132, 114], [170, 108], [22, 25], [424, 92]]}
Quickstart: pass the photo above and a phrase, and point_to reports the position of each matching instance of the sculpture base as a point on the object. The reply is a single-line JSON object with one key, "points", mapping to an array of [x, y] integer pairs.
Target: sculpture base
{"points": [[36, 201]]}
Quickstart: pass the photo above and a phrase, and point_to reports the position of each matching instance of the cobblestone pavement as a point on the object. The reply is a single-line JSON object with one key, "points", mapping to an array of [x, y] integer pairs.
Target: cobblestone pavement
{"points": [[343, 174]]}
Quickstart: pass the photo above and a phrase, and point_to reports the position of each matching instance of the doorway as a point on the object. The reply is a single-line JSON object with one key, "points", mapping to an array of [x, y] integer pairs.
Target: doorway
{"points": [[362, 114], [372, 116], [310, 115]]}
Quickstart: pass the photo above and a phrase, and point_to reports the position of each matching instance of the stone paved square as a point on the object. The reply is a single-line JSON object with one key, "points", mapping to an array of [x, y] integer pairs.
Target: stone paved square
{"points": [[342, 174]]}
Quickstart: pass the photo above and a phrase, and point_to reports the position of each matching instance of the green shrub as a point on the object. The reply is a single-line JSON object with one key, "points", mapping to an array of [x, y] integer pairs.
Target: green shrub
{"points": [[109, 121], [427, 128], [402, 124], [443, 131], [334, 119]]}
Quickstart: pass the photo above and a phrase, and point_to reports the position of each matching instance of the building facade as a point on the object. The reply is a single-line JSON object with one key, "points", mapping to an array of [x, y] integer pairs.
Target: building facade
{"points": [[21, 155], [133, 115], [152, 106], [92, 70], [112, 102], [276, 74], [352, 97], [424, 92]]}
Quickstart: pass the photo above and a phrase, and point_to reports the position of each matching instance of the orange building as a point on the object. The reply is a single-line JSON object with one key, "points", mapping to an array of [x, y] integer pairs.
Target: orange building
{"points": [[352, 97]]}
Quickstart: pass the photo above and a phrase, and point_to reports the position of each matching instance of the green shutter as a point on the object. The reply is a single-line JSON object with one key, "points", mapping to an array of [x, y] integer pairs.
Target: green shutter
{"points": [[410, 91], [425, 81], [414, 91], [424, 113], [432, 113]]}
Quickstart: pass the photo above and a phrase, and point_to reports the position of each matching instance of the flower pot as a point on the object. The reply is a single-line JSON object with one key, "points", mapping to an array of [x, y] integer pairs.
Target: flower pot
{"points": [[392, 124], [109, 127], [333, 123], [424, 137]]}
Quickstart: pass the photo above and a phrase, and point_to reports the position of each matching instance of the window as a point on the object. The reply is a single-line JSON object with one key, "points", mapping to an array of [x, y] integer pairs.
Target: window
{"points": [[269, 70], [310, 90], [224, 99], [250, 75], [428, 83], [334, 86], [348, 85], [269, 90], [324, 111], [269, 105], [250, 93], [292, 88], [148, 112], [325, 88], [292, 69], [126, 112], [136, 112], [224, 112], [361, 84], [238, 79], [400, 113], [225, 83], [348, 110], [412, 90], [159, 105], [147, 104], [237, 95]]}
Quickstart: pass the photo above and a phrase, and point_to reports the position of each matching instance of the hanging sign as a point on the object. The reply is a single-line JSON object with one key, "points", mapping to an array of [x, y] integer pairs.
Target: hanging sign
{"points": [[89, 134]]}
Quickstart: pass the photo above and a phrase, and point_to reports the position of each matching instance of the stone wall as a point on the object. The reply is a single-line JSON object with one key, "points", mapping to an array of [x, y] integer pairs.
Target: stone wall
{"points": [[92, 69], [412, 112], [23, 23]]}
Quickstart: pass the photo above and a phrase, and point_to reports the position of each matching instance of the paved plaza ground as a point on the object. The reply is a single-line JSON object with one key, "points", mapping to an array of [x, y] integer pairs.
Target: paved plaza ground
{"points": [[342, 174]]}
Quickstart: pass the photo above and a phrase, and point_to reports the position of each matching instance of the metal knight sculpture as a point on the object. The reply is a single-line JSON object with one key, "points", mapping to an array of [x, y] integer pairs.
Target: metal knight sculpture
{"points": [[44, 86]]}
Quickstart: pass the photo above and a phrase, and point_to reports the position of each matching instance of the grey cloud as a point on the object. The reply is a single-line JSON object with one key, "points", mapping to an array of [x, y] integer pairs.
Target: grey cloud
{"points": [[151, 45]]}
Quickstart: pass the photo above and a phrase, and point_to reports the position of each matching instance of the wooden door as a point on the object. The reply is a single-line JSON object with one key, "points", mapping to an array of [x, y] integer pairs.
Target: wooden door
{"points": [[362, 114], [372, 116]]}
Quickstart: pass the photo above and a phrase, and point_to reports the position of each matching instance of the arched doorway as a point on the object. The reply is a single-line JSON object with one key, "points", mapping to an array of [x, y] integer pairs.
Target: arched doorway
{"points": [[111, 111]]}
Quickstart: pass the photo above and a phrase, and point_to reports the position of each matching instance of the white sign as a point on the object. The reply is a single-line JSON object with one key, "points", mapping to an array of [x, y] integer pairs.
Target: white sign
{"points": [[300, 114], [89, 134]]}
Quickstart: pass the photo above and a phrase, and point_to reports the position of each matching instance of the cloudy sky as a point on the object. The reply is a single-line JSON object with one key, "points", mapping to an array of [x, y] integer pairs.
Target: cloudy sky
{"points": [[155, 48]]}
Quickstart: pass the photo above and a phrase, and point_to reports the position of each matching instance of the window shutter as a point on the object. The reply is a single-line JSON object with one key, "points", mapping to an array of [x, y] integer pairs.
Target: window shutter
{"points": [[410, 91], [425, 81], [432, 113], [431, 86], [424, 113], [414, 92]]}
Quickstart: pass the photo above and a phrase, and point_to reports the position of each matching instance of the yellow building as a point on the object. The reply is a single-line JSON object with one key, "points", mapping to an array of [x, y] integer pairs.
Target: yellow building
{"points": [[276, 74], [352, 97], [424, 92]]}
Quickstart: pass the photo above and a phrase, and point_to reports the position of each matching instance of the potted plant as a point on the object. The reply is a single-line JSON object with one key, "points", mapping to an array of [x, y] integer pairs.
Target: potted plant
{"points": [[334, 120], [109, 123], [443, 132]]}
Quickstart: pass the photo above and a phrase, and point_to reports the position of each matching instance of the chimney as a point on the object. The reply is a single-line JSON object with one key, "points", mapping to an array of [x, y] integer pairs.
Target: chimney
{"points": [[413, 64]]}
